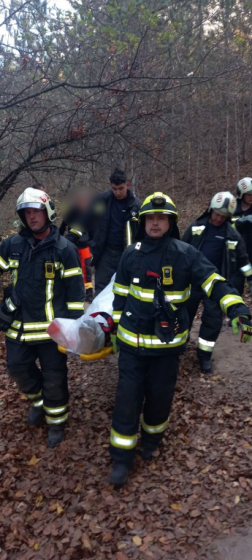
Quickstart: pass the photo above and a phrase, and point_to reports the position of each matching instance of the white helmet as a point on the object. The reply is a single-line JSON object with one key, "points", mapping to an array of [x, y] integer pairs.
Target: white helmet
{"points": [[224, 203], [244, 186], [35, 198]]}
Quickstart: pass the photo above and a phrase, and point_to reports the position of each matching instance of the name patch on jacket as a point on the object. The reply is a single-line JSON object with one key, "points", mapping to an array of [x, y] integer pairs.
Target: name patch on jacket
{"points": [[167, 275]]}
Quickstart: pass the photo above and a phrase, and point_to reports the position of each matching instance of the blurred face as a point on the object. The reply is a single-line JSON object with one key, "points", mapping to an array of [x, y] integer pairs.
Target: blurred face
{"points": [[35, 219], [217, 219], [248, 198], [156, 225], [120, 191]]}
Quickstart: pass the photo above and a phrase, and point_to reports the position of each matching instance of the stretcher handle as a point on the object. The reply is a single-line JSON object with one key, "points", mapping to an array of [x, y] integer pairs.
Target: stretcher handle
{"points": [[90, 357]]}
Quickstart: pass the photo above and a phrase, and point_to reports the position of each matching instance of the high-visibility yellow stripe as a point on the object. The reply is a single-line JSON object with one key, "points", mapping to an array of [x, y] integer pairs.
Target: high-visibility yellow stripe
{"points": [[11, 334], [149, 341], [231, 245], [246, 270], [14, 276], [228, 300], [38, 404], [153, 429], [10, 305], [123, 442], [75, 305], [197, 230], [72, 272], [139, 293], [178, 297], [49, 297], [32, 396], [206, 345], [16, 324], [13, 263], [55, 410], [58, 420], [34, 336], [208, 285], [128, 234], [37, 326], [3, 264], [79, 233], [116, 316], [120, 289]]}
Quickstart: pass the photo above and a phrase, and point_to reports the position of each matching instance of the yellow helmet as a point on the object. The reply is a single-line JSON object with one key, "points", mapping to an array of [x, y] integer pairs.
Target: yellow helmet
{"points": [[158, 202]]}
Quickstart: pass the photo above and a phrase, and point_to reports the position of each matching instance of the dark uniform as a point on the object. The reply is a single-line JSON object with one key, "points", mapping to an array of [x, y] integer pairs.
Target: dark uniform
{"points": [[243, 188], [224, 247], [82, 242], [117, 230], [48, 283], [148, 367]]}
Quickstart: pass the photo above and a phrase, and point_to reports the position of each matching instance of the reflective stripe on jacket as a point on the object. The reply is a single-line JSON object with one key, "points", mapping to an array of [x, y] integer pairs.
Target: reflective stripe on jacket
{"points": [[180, 267], [43, 295], [234, 257]]}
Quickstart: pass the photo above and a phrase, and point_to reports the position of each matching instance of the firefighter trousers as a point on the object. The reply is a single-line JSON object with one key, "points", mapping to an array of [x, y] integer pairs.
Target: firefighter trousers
{"points": [[45, 387], [211, 322], [106, 267], [146, 383]]}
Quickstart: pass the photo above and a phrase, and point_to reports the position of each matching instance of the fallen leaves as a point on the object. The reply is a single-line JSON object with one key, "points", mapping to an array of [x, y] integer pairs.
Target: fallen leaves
{"points": [[137, 540], [56, 507], [33, 461], [176, 507]]}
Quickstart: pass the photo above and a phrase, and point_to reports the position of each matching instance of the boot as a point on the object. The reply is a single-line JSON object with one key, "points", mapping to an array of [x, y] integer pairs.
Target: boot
{"points": [[148, 449], [55, 435], [119, 474], [206, 365], [35, 416]]}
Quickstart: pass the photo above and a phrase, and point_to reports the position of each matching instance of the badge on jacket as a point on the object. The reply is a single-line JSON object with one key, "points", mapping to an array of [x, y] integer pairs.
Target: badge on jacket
{"points": [[167, 275]]}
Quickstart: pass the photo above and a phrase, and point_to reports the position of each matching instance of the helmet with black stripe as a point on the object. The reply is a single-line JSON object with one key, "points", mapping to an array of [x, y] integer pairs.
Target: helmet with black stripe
{"points": [[158, 202], [244, 186], [223, 203], [35, 198]]}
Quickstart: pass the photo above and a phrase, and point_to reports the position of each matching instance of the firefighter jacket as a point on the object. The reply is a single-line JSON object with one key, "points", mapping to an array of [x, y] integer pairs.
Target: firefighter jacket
{"points": [[99, 239], [234, 257], [81, 240], [179, 267], [244, 227], [48, 282], [239, 213]]}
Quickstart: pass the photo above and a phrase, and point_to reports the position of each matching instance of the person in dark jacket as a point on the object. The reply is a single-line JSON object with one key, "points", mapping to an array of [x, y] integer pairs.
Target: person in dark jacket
{"points": [[46, 283], [151, 287], [213, 235], [116, 230], [242, 221]]}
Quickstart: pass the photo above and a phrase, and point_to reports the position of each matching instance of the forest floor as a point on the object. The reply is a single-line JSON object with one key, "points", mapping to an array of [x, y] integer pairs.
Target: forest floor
{"points": [[193, 501]]}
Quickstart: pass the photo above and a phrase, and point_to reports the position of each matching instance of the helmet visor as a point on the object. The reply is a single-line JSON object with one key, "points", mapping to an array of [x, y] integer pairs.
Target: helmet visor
{"points": [[37, 205]]}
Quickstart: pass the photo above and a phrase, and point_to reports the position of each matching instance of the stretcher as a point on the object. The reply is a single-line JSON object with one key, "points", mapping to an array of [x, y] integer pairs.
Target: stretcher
{"points": [[106, 351]]}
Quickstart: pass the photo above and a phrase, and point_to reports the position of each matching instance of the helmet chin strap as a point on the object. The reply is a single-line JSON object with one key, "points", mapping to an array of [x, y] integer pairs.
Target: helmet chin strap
{"points": [[41, 230]]}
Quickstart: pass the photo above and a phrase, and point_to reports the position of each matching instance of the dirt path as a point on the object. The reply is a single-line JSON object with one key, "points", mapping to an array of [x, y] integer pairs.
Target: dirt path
{"points": [[56, 504]]}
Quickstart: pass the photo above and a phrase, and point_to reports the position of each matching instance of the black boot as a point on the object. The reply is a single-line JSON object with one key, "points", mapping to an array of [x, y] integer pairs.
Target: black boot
{"points": [[55, 435], [119, 474], [206, 365], [148, 449], [35, 416]]}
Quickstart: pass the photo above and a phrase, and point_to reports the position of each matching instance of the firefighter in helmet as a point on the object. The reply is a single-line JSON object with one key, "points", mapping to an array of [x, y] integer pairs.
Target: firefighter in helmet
{"points": [[213, 235], [151, 288], [46, 282], [242, 222]]}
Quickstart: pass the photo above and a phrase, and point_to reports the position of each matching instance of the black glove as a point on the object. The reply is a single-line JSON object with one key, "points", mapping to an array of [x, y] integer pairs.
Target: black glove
{"points": [[89, 295], [6, 318], [8, 308]]}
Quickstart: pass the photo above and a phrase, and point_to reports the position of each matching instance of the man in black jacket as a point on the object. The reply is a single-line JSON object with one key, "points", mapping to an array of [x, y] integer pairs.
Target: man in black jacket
{"points": [[213, 235], [117, 229], [242, 220], [151, 287], [46, 283]]}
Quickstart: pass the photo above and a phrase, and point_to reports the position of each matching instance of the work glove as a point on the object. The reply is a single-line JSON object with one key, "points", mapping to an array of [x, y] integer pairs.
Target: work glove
{"points": [[6, 318], [244, 325], [89, 295], [113, 340]]}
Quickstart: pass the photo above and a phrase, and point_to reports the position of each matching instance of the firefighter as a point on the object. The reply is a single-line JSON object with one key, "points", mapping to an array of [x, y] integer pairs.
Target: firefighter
{"points": [[81, 240], [151, 287], [213, 235], [46, 282], [242, 222], [116, 230]]}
